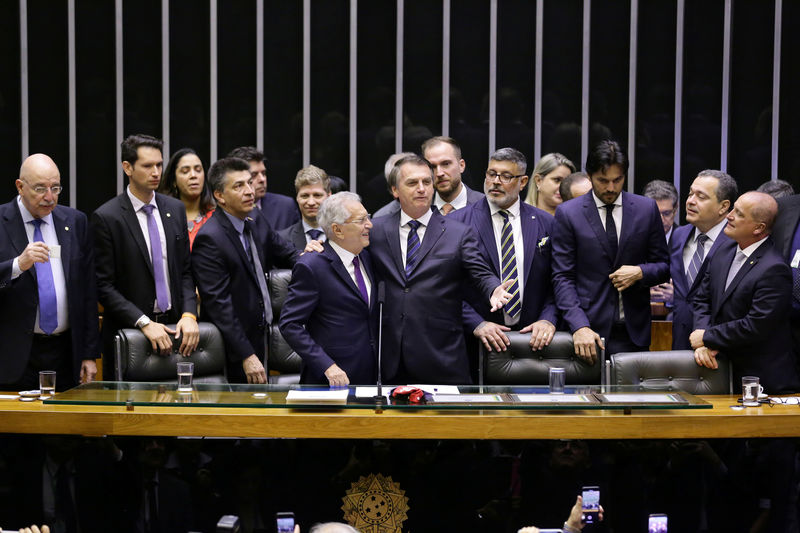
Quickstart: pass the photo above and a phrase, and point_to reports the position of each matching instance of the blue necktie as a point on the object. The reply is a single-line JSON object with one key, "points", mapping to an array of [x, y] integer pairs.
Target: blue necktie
{"points": [[508, 266], [315, 234], [158, 260], [697, 259], [412, 246], [48, 303]]}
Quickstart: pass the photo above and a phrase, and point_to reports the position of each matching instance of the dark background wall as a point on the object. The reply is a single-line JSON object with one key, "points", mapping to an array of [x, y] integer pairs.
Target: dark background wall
{"points": [[470, 120]]}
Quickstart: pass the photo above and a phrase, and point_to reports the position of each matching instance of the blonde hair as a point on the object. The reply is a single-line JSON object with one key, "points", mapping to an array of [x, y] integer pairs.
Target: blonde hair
{"points": [[547, 164]]}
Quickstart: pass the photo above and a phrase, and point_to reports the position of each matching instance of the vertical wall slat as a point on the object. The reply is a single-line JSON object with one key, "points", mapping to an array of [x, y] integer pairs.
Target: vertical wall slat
{"points": [[676, 154], [165, 134], [23, 78], [353, 132], [120, 116], [306, 82], [726, 85], [260, 74], [632, 73], [492, 76], [776, 87], [73, 134], [446, 67], [398, 86], [213, 108], [537, 82], [587, 34]]}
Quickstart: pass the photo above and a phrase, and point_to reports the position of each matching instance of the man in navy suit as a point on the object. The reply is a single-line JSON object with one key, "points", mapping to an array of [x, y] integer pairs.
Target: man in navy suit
{"points": [[329, 316], [312, 185], [279, 210], [144, 278], [424, 258], [48, 296], [530, 229], [231, 253], [787, 241], [608, 250], [711, 197], [742, 307]]}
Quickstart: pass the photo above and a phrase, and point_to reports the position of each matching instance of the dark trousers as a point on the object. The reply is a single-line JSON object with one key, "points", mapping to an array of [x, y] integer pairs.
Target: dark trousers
{"points": [[48, 352], [620, 341]]}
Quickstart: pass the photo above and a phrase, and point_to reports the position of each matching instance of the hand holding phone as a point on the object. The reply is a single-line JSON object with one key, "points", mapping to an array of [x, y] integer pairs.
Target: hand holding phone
{"points": [[284, 522], [591, 504], [657, 523]]}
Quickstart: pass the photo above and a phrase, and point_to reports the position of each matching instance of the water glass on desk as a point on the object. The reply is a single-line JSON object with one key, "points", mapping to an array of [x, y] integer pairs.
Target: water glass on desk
{"points": [[557, 380], [185, 373], [47, 383], [751, 389]]}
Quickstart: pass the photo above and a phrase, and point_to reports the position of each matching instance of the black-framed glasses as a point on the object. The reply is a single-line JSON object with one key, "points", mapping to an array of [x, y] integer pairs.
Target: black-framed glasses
{"points": [[505, 177]]}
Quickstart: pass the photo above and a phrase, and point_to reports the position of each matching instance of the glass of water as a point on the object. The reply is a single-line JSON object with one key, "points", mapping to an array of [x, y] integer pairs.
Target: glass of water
{"points": [[185, 372], [47, 383]]}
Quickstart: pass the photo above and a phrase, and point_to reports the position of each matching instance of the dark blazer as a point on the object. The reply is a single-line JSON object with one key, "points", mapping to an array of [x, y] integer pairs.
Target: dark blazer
{"points": [[295, 235], [228, 285], [19, 298], [786, 224], [422, 314], [279, 210], [394, 206], [582, 262], [325, 320], [749, 322], [682, 312], [537, 299], [125, 284]]}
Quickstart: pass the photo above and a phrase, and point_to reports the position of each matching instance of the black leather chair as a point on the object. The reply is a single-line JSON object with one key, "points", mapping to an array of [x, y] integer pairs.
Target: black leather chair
{"points": [[281, 356], [135, 361], [670, 368], [518, 365]]}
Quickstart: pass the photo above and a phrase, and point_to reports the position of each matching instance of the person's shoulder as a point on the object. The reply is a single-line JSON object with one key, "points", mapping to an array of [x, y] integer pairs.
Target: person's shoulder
{"points": [[526, 209], [278, 199], [69, 213], [388, 209], [110, 206], [167, 200]]}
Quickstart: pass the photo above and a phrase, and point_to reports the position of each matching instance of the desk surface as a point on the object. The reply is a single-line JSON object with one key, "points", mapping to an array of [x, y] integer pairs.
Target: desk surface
{"points": [[719, 422]]}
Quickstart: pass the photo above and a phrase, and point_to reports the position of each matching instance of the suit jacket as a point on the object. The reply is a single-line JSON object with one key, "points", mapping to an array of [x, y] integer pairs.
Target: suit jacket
{"points": [[19, 298], [683, 294], [538, 302], [582, 262], [749, 321], [785, 224], [125, 283], [394, 206], [295, 235], [279, 210], [228, 285], [422, 315], [325, 320]]}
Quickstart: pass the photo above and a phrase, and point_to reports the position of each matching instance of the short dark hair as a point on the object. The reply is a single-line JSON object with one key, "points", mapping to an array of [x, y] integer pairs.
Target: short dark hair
{"points": [[662, 190], [412, 159], [726, 185], [169, 181], [565, 187], [220, 168], [131, 144], [433, 141], [776, 188], [248, 153], [604, 155]]}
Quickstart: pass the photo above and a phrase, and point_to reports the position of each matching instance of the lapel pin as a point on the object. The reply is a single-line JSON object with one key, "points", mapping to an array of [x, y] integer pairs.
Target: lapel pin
{"points": [[66, 228], [169, 215], [533, 217]]}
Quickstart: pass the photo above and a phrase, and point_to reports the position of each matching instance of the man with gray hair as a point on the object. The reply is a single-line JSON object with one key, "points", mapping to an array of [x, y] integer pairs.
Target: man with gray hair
{"points": [[330, 314]]}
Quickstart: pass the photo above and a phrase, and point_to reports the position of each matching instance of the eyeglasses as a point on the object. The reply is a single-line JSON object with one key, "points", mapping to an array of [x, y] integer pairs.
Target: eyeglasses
{"points": [[42, 189], [360, 221], [505, 177]]}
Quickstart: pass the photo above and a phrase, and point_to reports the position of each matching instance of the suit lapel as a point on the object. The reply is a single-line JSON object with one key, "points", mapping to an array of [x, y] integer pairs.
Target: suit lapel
{"points": [[434, 231], [129, 216], [168, 220], [233, 237], [392, 236], [530, 236], [593, 218], [366, 260], [341, 270], [628, 222], [485, 227], [15, 227], [64, 233], [747, 266], [721, 238]]}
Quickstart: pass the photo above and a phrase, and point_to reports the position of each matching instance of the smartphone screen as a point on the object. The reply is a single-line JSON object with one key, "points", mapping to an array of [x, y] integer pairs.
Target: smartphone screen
{"points": [[591, 504], [657, 523], [285, 522]]}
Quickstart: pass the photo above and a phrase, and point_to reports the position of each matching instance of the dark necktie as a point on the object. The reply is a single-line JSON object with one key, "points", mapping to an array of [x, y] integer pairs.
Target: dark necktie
{"points": [[362, 286], [258, 270], [508, 265], [48, 303], [611, 231], [412, 247], [158, 260], [315, 234], [697, 258]]}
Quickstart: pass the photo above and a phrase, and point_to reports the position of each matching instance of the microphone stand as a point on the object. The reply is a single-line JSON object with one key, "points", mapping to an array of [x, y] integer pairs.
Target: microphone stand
{"points": [[379, 398]]}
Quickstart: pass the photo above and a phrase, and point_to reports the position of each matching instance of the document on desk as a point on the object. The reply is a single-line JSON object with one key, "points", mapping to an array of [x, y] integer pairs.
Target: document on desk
{"points": [[552, 398], [317, 396], [467, 398], [370, 392]]}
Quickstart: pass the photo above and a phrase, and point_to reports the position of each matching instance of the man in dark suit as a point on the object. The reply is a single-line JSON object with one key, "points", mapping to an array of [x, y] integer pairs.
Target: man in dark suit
{"points": [[501, 214], [48, 295], [786, 234], [231, 253], [279, 210], [742, 307], [666, 197], [313, 186], [608, 250], [329, 316], [423, 258], [141, 285], [711, 197]]}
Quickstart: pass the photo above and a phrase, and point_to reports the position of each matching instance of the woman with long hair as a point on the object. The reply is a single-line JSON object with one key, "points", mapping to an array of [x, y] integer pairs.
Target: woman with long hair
{"points": [[185, 179], [547, 176]]}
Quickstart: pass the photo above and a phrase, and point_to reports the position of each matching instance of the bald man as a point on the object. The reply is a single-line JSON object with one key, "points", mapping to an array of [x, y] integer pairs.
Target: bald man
{"points": [[48, 297], [741, 310]]}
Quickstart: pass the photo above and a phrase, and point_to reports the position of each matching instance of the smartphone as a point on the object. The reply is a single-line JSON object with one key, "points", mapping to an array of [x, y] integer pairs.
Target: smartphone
{"points": [[591, 504], [657, 523], [284, 522]]}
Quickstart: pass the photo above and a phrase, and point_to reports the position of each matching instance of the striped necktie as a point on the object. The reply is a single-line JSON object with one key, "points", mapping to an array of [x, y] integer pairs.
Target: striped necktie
{"points": [[508, 265], [412, 246], [697, 259]]}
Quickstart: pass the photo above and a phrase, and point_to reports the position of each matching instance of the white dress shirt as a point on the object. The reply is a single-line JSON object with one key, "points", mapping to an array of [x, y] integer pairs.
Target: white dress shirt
{"points": [[141, 216], [404, 229], [347, 260], [458, 202], [519, 251], [691, 244]]}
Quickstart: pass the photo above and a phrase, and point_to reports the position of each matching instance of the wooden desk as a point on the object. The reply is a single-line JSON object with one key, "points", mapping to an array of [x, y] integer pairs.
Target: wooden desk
{"points": [[719, 422]]}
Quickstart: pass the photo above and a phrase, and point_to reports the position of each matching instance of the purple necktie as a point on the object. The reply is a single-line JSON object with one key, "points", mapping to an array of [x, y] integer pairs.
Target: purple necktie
{"points": [[362, 287], [158, 260], [48, 303]]}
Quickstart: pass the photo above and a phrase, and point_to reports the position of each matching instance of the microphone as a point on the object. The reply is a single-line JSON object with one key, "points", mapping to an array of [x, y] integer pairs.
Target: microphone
{"points": [[379, 398]]}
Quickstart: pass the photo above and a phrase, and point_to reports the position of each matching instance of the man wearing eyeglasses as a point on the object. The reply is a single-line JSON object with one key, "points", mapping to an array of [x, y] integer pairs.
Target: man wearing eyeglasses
{"points": [[608, 250], [514, 239], [48, 296], [329, 316]]}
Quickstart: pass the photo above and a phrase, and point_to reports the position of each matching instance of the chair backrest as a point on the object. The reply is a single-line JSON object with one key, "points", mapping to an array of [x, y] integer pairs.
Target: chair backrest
{"points": [[135, 361], [670, 368], [518, 365], [281, 356]]}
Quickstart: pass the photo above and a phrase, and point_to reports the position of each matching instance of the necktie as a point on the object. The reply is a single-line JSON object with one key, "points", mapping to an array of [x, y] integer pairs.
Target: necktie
{"points": [[737, 263], [508, 265], [255, 263], [697, 258], [611, 230], [157, 258], [362, 287], [315, 234], [447, 209], [412, 247], [48, 304]]}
